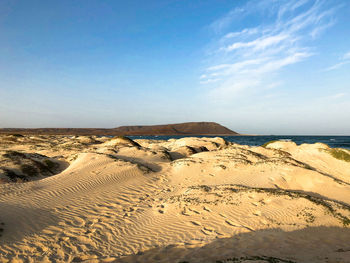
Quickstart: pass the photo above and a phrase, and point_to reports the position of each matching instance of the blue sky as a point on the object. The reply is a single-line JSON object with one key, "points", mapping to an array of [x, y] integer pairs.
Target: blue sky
{"points": [[257, 67]]}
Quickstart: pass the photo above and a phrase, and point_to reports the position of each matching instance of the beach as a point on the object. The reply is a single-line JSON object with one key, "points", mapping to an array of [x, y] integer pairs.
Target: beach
{"points": [[101, 199]]}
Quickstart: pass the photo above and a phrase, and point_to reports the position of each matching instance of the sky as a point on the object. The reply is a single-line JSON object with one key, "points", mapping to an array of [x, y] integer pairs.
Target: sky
{"points": [[256, 67]]}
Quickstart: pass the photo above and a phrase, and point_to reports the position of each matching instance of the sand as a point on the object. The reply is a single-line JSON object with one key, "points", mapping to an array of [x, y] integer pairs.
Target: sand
{"points": [[96, 199]]}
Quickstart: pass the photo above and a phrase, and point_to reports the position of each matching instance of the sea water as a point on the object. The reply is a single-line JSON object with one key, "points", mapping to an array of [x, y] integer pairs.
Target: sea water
{"points": [[332, 141]]}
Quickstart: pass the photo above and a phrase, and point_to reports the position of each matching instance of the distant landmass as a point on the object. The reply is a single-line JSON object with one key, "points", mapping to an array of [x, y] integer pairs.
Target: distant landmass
{"points": [[188, 128], [194, 128]]}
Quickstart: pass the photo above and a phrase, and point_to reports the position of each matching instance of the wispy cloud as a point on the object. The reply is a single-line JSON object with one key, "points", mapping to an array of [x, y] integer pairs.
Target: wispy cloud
{"points": [[343, 60], [346, 56], [338, 65], [249, 59], [338, 95]]}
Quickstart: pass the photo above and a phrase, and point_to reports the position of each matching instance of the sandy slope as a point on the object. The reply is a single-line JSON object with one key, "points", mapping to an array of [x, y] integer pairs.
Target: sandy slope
{"points": [[186, 200]]}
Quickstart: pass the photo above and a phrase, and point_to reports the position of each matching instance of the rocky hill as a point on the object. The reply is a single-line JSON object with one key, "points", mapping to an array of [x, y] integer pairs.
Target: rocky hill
{"points": [[188, 128]]}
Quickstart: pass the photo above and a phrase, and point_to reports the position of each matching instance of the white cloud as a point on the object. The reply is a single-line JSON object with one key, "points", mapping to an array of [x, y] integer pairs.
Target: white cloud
{"points": [[319, 30], [338, 95], [206, 81], [338, 65], [221, 23], [244, 32], [258, 44], [290, 6], [277, 64], [346, 56], [345, 59], [249, 59]]}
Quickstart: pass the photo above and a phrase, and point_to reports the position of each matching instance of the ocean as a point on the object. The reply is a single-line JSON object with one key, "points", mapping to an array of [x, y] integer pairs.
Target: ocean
{"points": [[332, 141]]}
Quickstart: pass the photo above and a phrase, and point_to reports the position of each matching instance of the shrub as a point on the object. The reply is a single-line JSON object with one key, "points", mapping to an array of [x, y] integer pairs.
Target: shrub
{"points": [[127, 140], [339, 154], [50, 164], [267, 143], [14, 155], [17, 135], [14, 177], [29, 170]]}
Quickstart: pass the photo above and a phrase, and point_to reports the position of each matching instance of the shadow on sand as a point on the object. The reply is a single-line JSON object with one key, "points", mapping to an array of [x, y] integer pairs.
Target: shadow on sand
{"points": [[312, 244], [15, 220]]}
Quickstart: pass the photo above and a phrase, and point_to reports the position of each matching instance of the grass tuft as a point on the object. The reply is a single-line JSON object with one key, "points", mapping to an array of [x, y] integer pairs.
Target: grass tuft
{"points": [[339, 154], [29, 170], [14, 155], [267, 143], [17, 135], [128, 140], [50, 164]]}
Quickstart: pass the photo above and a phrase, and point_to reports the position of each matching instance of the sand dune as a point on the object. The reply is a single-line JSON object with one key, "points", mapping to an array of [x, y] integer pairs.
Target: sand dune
{"points": [[185, 200]]}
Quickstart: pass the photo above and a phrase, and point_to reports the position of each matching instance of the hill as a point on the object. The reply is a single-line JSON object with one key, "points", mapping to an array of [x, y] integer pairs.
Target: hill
{"points": [[189, 128]]}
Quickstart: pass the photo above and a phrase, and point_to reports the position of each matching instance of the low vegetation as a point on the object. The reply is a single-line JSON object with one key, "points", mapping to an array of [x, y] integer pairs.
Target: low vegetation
{"points": [[17, 135], [29, 170], [50, 164], [14, 155], [127, 140], [331, 207], [22, 167], [339, 154], [12, 176], [267, 143]]}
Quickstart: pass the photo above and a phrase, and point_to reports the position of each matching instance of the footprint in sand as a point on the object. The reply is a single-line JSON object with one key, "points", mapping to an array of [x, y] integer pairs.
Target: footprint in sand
{"points": [[194, 211], [264, 222], [204, 232], [185, 212], [84, 240], [77, 221], [223, 215], [265, 201], [251, 196], [209, 229], [229, 222], [257, 213], [206, 209], [196, 223], [64, 238]]}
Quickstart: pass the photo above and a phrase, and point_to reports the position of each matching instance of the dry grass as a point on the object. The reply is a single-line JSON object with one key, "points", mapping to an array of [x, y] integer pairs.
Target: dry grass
{"points": [[339, 154], [267, 143]]}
